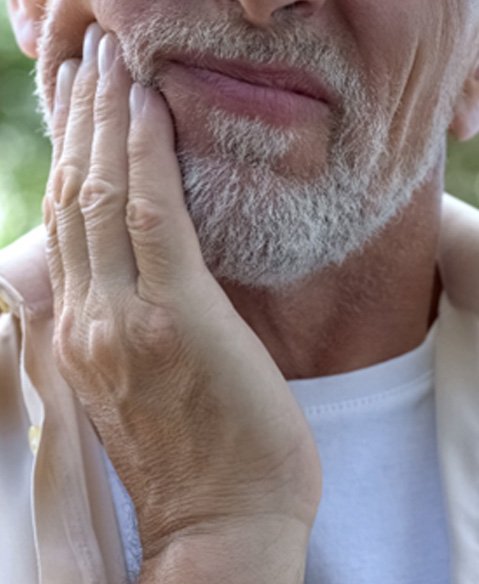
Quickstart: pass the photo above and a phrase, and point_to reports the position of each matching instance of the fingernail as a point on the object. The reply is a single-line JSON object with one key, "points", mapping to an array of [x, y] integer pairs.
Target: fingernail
{"points": [[107, 53], [65, 78], [92, 39], [137, 99]]}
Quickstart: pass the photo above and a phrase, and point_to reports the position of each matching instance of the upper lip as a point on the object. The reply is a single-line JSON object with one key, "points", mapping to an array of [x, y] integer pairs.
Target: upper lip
{"points": [[273, 76]]}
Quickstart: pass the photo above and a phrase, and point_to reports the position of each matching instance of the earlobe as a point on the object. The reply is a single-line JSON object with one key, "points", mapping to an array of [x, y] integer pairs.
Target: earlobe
{"points": [[25, 16], [465, 124]]}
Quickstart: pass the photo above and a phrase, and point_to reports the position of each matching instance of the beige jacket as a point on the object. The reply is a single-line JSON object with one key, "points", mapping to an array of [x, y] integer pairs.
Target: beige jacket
{"points": [[57, 520]]}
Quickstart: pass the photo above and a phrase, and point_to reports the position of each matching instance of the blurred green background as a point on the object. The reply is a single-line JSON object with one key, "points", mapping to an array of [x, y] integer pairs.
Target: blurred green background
{"points": [[25, 153]]}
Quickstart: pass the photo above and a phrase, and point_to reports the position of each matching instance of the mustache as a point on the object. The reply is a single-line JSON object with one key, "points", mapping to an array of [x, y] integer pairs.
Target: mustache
{"points": [[153, 36], [149, 42]]}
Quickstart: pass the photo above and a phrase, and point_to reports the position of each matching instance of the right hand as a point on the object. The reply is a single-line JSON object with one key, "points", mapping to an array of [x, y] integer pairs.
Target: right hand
{"points": [[192, 410]]}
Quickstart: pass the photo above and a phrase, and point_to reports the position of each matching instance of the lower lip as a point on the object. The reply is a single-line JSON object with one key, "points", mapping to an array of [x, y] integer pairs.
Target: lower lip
{"points": [[277, 106]]}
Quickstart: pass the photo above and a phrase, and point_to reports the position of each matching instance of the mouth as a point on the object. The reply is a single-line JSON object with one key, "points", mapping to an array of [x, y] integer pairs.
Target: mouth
{"points": [[274, 93]]}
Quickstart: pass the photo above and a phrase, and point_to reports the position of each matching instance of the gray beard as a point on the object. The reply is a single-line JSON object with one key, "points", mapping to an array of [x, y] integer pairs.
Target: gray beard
{"points": [[261, 229]]}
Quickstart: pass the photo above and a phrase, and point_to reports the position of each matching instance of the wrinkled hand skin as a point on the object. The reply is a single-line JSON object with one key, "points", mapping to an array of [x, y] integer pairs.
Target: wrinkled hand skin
{"points": [[192, 410]]}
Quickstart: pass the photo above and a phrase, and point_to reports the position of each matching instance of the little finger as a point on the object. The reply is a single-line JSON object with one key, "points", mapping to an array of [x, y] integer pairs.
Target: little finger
{"points": [[73, 169], [65, 79]]}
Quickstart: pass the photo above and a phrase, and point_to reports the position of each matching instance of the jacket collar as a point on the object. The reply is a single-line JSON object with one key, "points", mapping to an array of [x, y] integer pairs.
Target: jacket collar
{"points": [[24, 276], [459, 254]]}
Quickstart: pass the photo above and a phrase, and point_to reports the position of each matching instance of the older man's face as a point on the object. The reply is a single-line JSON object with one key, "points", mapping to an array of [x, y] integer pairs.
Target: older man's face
{"points": [[299, 136]]}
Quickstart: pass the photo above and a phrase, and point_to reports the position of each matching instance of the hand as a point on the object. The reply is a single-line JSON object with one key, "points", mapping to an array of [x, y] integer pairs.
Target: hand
{"points": [[192, 410]]}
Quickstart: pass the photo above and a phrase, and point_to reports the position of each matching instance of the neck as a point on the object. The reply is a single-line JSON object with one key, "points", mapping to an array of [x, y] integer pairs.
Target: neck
{"points": [[377, 305]]}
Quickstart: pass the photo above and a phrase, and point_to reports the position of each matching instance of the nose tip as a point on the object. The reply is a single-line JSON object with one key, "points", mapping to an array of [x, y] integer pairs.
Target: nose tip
{"points": [[260, 12]]}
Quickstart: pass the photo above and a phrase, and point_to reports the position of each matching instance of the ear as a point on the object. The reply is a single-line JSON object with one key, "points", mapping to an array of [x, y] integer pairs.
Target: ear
{"points": [[25, 16], [465, 124]]}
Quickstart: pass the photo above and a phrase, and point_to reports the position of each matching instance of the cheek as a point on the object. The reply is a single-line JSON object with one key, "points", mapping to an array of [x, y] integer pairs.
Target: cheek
{"points": [[61, 38], [387, 42], [66, 22], [118, 15], [399, 44]]}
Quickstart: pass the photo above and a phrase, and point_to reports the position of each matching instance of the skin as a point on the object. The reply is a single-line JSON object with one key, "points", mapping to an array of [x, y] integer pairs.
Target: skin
{"points": [[314, 329], [336, 321], [214, 457]]}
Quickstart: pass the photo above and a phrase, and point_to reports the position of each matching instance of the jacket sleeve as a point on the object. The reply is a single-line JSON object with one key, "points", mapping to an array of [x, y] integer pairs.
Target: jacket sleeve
{"points": [[10, 345]]}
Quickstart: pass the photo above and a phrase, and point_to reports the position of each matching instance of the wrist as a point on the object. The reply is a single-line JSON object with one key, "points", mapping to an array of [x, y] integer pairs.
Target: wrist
{"points": [[261, 550]]}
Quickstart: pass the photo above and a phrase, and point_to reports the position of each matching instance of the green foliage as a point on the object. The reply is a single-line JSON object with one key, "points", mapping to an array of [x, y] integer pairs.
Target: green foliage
{"points": [[463, 171], [25, 152]]}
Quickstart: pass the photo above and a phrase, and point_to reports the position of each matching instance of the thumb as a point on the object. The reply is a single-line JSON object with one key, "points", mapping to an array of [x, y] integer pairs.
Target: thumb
{"points": [[163, 238]]}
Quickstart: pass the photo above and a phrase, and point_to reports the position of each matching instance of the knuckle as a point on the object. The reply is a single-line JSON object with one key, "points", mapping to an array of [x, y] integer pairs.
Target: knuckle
{"points": [[65, 342], [67, 181], [142, 215], [97, 191], [102, 348], [152, 330]]}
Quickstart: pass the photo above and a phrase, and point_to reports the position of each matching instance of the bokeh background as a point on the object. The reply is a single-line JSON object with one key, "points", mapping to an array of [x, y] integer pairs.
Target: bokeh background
{"points": [[25, 153]]}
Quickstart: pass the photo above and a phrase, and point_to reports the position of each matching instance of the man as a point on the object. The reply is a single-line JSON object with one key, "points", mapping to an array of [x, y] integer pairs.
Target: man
{"points": [[245, 193]]}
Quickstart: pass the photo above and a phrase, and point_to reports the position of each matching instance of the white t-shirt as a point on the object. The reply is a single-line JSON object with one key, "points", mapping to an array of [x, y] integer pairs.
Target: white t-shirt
{"points": [[381, 518]]}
